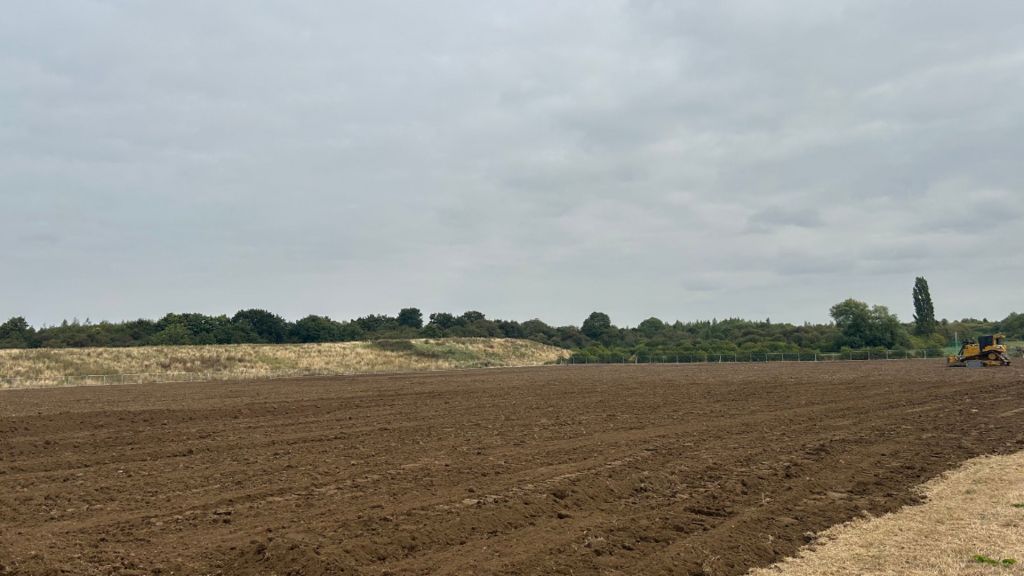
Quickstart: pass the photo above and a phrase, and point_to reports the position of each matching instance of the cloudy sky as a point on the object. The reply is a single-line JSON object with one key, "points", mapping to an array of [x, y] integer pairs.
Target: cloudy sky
{"points": [[682, 159]]}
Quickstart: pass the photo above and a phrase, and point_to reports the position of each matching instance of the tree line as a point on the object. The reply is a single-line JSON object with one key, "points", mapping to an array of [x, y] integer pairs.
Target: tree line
{"points": [[257, 326], [856, 325]]}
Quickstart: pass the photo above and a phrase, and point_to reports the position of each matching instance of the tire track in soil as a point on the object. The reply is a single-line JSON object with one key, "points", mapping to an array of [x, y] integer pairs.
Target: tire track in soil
{"points": [[564, 470]]}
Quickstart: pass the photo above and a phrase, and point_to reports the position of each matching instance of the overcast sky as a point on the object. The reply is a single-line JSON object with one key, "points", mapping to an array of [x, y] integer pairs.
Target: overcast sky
{"points": [[685, 160]]}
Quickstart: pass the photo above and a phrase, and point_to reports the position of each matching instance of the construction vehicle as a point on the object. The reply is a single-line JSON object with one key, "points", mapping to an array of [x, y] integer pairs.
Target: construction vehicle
{"points": [[986, 351]]}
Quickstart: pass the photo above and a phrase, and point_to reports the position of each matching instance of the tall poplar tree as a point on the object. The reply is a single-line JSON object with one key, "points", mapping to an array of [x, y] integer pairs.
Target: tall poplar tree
{"points": [[924, 312]]}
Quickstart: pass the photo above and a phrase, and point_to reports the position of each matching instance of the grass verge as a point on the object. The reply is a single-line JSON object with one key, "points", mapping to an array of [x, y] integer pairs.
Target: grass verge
{"points": [[971, 524]]}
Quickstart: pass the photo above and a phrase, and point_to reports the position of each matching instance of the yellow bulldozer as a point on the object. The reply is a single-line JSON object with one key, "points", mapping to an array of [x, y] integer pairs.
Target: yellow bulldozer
{"points": [[985, 351]]}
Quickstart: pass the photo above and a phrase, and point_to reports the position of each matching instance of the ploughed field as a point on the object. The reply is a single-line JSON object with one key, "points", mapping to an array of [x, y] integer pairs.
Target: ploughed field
{"points": [[694, 469]]}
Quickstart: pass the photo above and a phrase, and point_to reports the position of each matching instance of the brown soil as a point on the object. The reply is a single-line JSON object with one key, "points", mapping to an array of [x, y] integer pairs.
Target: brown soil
{"points": [[558, 470]]}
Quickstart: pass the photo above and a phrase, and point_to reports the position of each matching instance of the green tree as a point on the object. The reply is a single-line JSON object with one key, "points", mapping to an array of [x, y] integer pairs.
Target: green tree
{"points": [[15, 333], [410, 317], [174, 334], [375, 323], [442, 320], [596, 325], [471, 316], [474, 324], [863, 326], [270, 328], [510, 328], [201, 329], [924, 311], [853, 319], [431, 331], [1013, 326], [315, 329], [886, 329], [651, 326]]}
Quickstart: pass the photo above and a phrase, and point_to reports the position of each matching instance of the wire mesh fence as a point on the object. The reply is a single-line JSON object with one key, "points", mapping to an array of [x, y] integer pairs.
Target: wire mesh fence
{"points": [[753, 357]]}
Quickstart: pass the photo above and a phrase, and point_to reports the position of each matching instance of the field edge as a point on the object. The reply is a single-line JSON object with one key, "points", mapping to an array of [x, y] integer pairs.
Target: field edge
{"points": [[969, 523]]}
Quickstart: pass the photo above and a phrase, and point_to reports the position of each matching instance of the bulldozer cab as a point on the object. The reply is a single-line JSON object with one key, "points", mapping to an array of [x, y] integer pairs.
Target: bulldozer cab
{"points": [[986, 342]]}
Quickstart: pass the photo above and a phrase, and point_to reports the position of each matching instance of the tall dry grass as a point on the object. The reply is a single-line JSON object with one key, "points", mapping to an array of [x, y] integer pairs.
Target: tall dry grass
{"points": [[50, 367]]}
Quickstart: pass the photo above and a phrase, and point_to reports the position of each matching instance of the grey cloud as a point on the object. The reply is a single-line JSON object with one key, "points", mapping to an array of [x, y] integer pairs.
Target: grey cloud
{"points": [[679, 159]]}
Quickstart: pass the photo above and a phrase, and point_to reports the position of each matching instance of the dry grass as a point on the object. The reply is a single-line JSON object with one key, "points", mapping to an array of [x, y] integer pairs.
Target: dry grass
{"points": [[968, 522], [25, 368]]}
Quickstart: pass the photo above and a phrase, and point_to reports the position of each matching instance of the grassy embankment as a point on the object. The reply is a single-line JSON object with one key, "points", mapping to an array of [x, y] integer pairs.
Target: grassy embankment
{"points": [[53, 367]]}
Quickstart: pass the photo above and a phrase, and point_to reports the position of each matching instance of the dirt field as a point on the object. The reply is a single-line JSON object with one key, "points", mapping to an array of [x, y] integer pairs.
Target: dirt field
{"points": [[698, 469]]}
